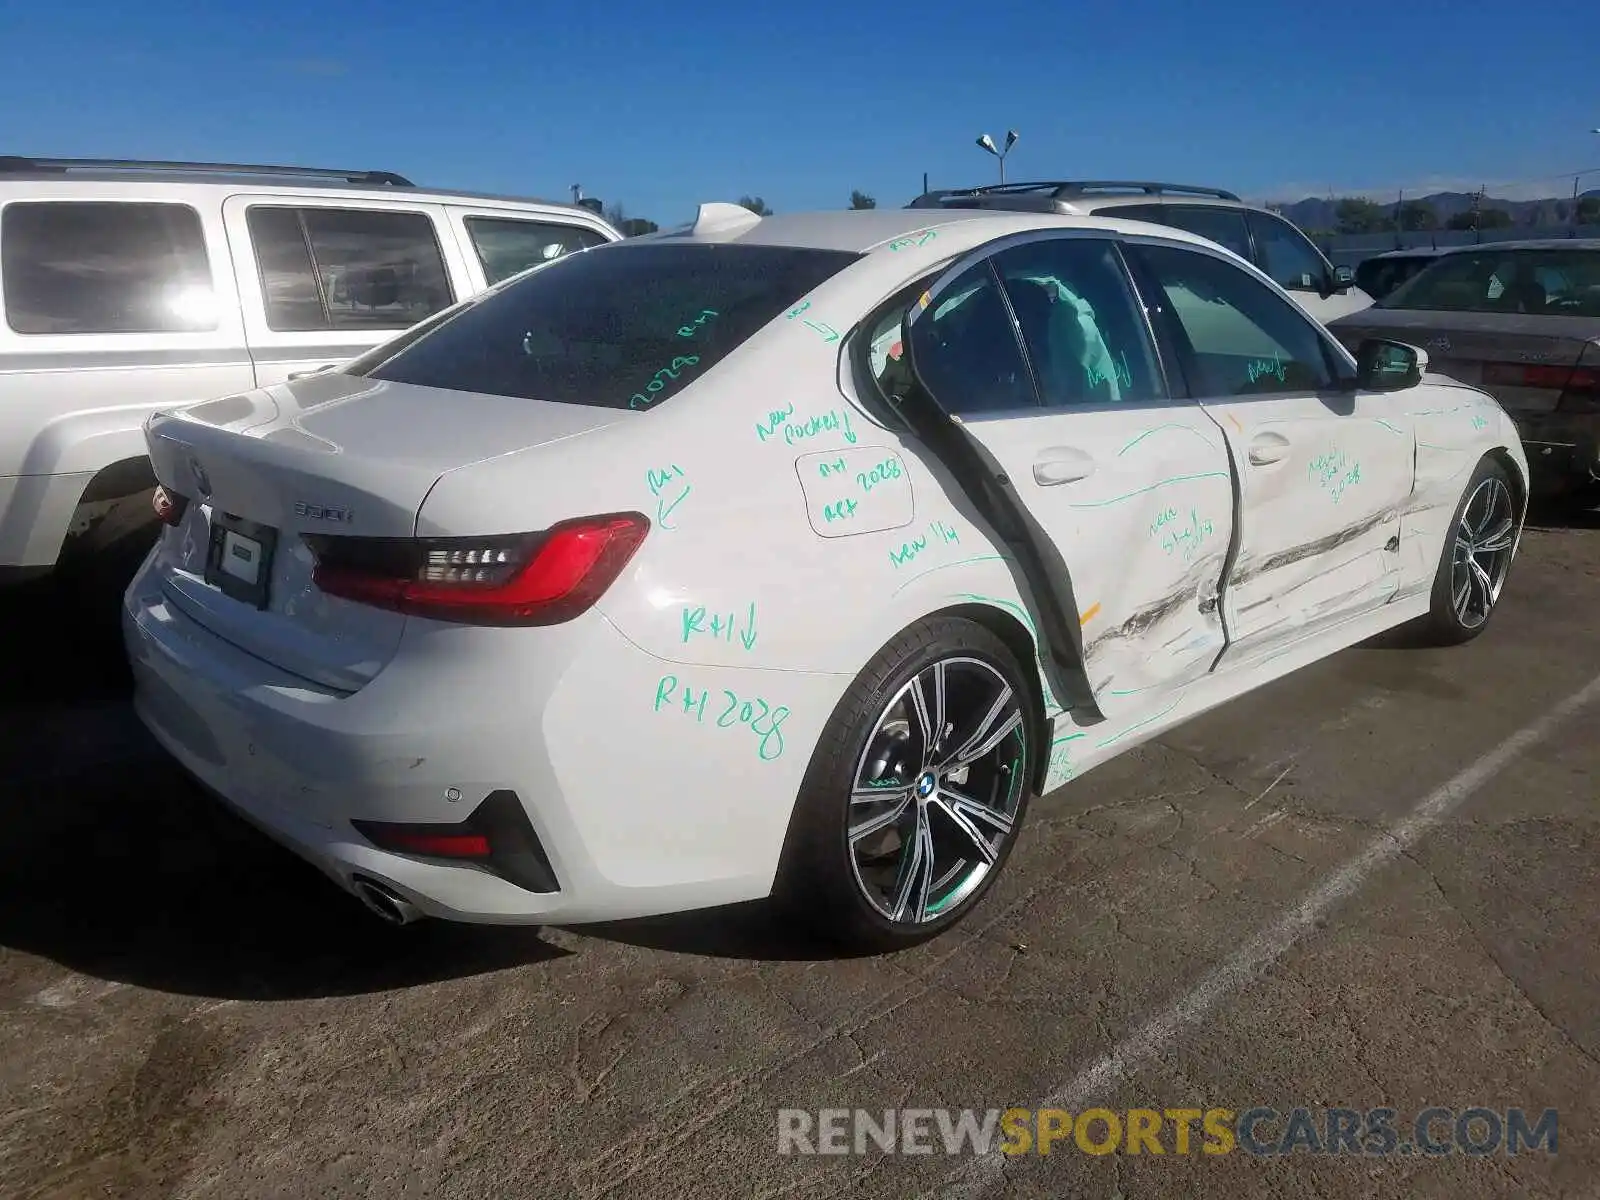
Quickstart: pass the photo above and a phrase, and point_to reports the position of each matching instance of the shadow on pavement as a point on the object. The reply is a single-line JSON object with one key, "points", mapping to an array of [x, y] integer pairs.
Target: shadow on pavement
{"points": [[756, 930], [139, 877]]}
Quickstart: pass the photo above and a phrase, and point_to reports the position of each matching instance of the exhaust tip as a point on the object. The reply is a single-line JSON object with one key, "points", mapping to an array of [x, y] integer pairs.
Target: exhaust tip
{"points": [[383, 902]]}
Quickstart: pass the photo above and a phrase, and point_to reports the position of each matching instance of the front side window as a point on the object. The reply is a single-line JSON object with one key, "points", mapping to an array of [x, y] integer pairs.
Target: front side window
{"points": [[1550, 282], [347, 268], [626, 326], [506, 246], [1085, 336], [966, 349], [105, 267], [1246, 340], [1286, 255]]}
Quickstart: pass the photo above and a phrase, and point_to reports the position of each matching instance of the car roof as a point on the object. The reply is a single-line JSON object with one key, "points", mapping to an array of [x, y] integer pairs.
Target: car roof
{"points": [[1082, 197], [1526, 244], [72, 177], [1411, 252], [863, 230]]}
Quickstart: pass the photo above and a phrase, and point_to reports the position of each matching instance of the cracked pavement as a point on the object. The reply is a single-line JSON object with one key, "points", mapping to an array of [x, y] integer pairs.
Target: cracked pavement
{"points": [[188, 1011]]}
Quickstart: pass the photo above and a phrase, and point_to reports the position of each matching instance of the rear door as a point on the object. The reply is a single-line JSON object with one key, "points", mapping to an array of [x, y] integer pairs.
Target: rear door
{"points": [[497, 243], [323, 281], [1324, 471], [1041, 358]]}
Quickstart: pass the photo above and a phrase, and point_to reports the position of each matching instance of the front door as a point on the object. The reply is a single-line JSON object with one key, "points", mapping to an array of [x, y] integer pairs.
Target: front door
{"points": [[1325, 472], [1127, 493]]}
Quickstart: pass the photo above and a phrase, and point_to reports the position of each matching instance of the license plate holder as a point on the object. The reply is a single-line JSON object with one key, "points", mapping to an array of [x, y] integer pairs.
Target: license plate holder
{"points": [[239, 559]]}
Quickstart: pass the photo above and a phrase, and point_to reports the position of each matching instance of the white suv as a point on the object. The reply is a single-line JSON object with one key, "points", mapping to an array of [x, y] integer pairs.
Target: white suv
{"points": [[1257, 235], [129, 287]]}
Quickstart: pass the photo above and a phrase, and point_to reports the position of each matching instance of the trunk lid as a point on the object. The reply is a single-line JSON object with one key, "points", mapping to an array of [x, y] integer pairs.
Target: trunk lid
{"points": [[327, 455], [1521, 360]]}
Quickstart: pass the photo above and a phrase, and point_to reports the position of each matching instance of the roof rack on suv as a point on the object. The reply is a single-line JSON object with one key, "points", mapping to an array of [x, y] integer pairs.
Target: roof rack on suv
{"points": [[17, 164], [1064, 190]]}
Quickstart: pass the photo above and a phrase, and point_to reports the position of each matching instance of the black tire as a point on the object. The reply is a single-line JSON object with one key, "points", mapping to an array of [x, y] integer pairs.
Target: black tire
{"points": [[1445, 624], [821, 882]]}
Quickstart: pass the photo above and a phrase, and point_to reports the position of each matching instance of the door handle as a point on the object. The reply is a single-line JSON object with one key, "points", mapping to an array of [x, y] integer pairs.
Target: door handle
{"points": [[1061, 464], [293, 375], [1268, 448]]}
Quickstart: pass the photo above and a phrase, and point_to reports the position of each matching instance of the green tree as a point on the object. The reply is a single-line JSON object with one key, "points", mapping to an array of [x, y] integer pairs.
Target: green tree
{"points": [[1418, 215], [1589, 210], [756, 205], [1495, 218], [1358, 215], [860, 199], [626, 225]]}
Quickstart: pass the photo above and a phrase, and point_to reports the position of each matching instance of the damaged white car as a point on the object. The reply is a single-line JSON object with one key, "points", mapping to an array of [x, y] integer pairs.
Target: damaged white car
{"points": [[787, 555]]}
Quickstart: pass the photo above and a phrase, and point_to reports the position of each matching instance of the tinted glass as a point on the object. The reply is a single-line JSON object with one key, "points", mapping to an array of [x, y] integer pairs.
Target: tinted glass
{"points": [[623, 326], [507, 246], [1247, 340], [966, 349], [338, 268], [1550, 282], [1225, 226], [1085, 337], [1286, 255], [69, 267]]}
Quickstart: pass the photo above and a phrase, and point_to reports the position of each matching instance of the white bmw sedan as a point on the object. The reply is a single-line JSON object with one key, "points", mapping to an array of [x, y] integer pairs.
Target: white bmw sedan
{"points": [[789, 557]]}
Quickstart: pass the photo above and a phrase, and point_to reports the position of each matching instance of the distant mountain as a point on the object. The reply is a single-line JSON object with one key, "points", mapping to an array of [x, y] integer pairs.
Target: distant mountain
{"points": [[1318, 215]]}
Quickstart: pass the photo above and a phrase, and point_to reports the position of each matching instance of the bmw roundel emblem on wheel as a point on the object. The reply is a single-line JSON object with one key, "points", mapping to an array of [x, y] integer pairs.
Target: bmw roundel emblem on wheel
{"points": [[788, 558]]}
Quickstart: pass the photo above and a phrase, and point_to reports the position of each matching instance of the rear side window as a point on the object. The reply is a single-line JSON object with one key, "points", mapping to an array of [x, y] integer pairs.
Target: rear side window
{"points": [[623, 326], [105, 267], [506, 246], [1225, 226], [347, 268]]}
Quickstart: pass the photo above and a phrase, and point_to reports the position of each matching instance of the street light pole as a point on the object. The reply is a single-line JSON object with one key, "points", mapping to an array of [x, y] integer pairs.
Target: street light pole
{"points": [[987, 143]]}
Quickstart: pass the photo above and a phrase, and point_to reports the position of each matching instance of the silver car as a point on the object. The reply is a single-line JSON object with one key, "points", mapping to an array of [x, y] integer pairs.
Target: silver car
{"points": [[1521, 320]]}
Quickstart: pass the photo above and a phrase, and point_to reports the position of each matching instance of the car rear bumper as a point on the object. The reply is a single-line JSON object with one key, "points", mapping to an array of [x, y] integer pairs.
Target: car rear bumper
{"points": [[636, 808]]}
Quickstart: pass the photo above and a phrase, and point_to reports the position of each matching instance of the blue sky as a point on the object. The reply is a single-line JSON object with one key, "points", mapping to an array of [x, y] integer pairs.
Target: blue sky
{"points": [[663, 105]]}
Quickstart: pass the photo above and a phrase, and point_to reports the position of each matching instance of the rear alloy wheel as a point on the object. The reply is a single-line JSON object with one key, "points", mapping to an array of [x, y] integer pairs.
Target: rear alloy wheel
{"points": [[913, 803], [1476, 559]]}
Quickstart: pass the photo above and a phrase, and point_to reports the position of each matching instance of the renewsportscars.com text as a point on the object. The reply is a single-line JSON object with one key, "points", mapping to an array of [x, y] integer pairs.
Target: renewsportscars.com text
{"points": [[1257, 1131]]}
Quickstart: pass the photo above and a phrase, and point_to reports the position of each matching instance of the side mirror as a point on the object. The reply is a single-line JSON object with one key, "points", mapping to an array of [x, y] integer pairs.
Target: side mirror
{"points": [[1385, 366], [1344, 278]]}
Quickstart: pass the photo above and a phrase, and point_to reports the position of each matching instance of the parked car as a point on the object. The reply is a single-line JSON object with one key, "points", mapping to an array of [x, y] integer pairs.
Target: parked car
{"points": [[1257, 235], [133, 286], [1382, 273], [1521, 320], [764, 557]]}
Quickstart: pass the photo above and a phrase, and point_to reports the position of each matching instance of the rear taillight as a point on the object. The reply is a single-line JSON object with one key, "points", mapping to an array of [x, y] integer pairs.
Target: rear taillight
{"points": [[1582, 392], [517, 579], [169, 506], [1579, 386]]}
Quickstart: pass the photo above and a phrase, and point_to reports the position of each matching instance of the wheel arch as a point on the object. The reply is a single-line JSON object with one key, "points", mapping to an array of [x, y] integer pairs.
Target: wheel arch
{"points": [[1023, 645], [1501, 457]]}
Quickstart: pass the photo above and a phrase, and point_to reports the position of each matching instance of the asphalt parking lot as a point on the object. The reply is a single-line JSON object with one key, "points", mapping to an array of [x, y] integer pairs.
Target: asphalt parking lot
{"points": [[1376, 883]]}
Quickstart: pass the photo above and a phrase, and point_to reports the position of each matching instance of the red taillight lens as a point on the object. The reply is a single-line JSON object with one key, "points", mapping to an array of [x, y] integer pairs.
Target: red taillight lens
{"points": [[169, 506], [1579, 386], [522, 579], [409, 839]]}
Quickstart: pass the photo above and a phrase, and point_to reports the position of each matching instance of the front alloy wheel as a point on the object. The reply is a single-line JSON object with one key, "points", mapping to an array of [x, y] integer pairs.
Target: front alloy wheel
{"points": [[1485, 535]]}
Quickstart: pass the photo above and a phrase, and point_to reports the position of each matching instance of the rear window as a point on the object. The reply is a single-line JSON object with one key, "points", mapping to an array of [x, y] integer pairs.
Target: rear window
{"points": [[1556, 282], [619, 326], [105, 267]]}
